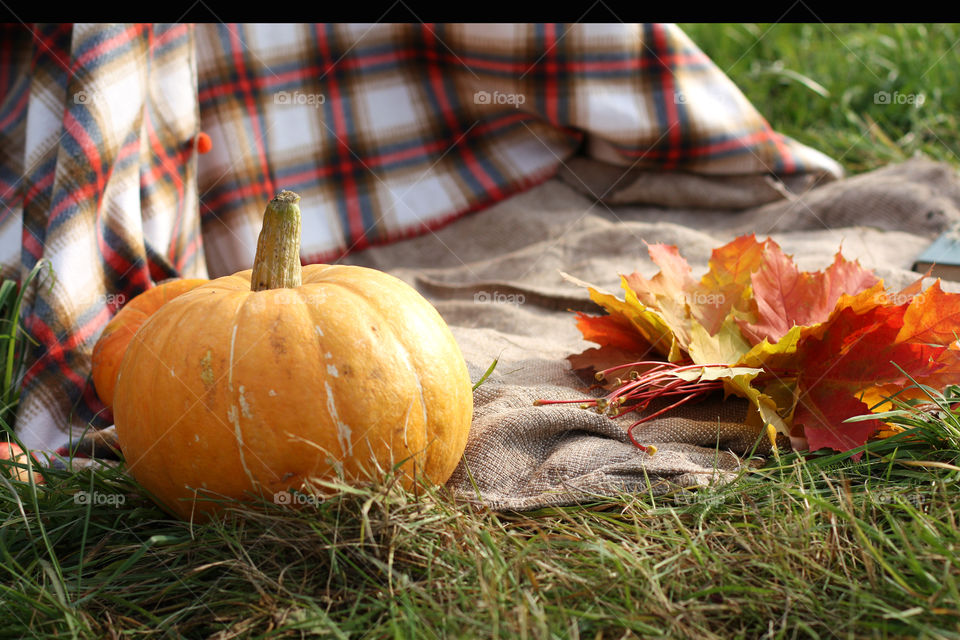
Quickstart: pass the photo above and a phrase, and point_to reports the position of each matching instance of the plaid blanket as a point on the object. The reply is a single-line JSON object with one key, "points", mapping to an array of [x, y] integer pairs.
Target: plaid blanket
{"points": [[386, 131]]}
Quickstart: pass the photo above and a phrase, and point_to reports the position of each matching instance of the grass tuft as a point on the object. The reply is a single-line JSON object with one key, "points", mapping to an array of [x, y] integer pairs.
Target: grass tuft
{"points": [[14, 343]]}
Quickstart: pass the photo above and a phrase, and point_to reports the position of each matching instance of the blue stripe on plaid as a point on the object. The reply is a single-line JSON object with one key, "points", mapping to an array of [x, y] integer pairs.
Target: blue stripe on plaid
{"points": [[158, 264], [656, 72], [171, 43], [127, 38], [11, 190], [241, 94], [132, 260], [355, 153], [680, 107], [331, 137], [34, 223], [13, 105]]}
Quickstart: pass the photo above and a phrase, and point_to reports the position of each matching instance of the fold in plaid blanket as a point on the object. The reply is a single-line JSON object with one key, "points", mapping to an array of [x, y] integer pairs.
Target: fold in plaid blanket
{"points": [[386, 131]]}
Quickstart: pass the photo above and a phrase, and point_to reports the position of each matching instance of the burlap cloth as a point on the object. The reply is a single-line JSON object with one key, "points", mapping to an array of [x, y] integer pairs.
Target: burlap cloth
{"points": [[495, 278]]}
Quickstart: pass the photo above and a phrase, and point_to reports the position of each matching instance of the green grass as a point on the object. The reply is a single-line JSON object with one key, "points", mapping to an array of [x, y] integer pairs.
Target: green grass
{"points": [[13, 343], [817, 546], [817, 82]]}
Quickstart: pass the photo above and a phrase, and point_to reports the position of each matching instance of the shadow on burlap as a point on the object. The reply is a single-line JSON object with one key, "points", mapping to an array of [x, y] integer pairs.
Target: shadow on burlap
{"points": [[495, 278]]}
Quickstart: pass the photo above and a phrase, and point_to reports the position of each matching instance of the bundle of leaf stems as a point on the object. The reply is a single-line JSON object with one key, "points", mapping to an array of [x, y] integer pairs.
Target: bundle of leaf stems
{"points": [[658, 381]]}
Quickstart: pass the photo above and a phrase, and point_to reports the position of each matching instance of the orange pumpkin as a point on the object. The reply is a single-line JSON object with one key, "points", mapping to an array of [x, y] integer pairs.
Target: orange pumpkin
{"points": [[112, 345], [252, 383]]}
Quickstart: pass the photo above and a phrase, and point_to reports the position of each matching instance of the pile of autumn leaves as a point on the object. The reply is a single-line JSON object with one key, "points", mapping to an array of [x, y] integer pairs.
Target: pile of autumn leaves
{"points": [[807, 349]]}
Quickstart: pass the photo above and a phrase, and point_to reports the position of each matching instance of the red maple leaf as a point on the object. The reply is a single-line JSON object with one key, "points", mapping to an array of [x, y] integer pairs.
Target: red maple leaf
{"points": [[850, 353], [787, 297], [611, 331]]}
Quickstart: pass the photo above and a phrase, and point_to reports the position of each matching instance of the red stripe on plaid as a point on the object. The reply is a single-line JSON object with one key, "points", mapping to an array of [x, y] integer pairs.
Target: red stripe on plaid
{"points": [[237, 50], [89, 147], [189, 250], [448, 114], [550, 83], [17, 110], [48, 46], [169, 33], [43, 184], [118, 40], [674, 130], [359, 61], [243, 192], [275, 79], [56, 347], [341, 132]]}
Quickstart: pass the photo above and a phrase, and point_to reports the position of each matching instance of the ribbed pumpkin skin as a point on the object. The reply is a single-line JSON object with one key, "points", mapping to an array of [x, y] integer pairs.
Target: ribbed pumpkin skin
{"points": [[238, 392], [112, 344]]}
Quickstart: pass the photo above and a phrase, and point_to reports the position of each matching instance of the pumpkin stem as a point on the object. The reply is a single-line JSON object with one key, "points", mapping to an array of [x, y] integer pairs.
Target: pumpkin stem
{"points": [[277, 263]]}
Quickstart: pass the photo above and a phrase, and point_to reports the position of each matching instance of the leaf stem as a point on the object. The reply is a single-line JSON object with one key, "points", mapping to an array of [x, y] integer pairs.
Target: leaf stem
{"points": [[659, 381]]}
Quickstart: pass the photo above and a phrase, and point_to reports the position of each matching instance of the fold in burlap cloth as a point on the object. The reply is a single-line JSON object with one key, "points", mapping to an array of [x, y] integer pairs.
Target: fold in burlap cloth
{"points": [[495, 278]]}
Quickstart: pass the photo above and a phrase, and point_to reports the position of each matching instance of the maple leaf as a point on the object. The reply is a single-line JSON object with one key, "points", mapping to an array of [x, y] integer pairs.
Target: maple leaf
{"points": [[787, 297], [867, 348], [822, 412], [612, 331], [713, 372], [619, 343], [727, 346], [932, 316], [668, 291], [648, 322], [726, 284], [670, 283], [683, 301]]}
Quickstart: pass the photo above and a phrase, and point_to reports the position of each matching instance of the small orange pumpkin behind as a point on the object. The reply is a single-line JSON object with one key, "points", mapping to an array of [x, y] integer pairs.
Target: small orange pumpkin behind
{"points": [[112, 345]]}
